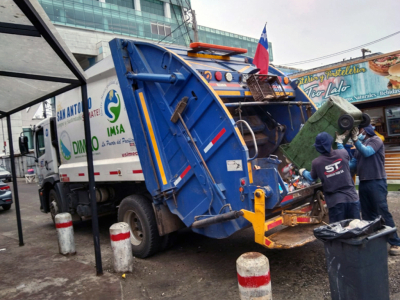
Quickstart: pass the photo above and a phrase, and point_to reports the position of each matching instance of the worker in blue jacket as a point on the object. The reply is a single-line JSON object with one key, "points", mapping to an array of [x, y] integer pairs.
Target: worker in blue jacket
{"points": [[332, 167], [369, 163]]}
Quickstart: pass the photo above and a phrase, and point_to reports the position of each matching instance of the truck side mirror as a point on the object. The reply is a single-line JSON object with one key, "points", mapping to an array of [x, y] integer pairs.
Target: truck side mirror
{"points": [[23, 145]]}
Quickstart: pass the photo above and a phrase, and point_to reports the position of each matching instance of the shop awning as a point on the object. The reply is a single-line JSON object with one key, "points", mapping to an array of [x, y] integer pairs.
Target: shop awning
{"points": [[35, 63]]}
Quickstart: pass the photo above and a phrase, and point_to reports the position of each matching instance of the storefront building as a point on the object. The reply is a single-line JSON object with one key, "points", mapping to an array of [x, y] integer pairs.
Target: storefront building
{"points": [[373, 85]]}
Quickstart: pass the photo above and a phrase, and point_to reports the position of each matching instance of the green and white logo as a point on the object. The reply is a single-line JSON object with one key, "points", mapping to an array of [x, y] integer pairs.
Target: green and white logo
{"points": [[65, 145], [112, 106]]}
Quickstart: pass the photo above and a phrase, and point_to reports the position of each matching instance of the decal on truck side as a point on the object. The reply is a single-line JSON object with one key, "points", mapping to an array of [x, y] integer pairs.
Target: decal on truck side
{"points": [[79, 147], [112, 140], [112, 106], [65, 145]]}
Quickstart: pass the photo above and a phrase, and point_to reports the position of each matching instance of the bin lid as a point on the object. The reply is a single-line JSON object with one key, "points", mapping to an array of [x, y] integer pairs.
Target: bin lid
{"points": [[353, 236]]}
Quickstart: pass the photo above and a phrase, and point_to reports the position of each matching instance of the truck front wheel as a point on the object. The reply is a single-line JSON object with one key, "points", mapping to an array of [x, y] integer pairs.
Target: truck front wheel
{"points": [[138, 212]]}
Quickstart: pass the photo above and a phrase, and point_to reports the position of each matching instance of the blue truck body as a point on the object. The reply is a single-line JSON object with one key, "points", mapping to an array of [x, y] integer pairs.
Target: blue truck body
{"points": [[223, 178]]}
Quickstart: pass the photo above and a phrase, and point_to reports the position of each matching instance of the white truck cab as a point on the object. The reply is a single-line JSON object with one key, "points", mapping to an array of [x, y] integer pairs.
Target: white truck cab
{"points": [[46, 149]]}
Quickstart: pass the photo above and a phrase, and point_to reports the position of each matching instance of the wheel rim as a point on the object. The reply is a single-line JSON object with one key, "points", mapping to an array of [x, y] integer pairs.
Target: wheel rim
{"points": [[135, 226]]}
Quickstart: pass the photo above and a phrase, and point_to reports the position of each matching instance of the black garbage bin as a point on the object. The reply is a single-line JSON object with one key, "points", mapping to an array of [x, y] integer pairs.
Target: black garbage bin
{"points": [[357, 261]]}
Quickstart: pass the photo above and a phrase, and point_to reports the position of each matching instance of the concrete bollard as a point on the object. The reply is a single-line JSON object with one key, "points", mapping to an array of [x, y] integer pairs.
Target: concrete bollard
{"points": [[65, 233], [121, 246], [254, 279]]}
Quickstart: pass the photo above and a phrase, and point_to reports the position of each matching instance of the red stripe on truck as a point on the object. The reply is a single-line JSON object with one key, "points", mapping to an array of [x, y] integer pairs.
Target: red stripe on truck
{"points": [[218, 136], [287, 198], [185, 171], [274, 224], [303, 219], [113, 172], [137, 171]]}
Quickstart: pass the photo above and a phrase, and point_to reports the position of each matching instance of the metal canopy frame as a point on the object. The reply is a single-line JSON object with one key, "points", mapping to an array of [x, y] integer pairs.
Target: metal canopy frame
{"points": [[39, 29]]}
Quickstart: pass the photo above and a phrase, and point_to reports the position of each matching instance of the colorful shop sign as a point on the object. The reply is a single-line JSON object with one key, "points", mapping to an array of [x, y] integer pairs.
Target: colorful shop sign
{"points": [[361, 81]]}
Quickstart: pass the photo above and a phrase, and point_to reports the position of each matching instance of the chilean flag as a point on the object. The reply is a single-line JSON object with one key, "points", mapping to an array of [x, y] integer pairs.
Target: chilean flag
{"points": [[261, 59]]}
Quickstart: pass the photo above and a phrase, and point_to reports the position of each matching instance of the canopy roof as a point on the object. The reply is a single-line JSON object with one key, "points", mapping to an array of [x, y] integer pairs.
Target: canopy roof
{"points": [[35, 63]]}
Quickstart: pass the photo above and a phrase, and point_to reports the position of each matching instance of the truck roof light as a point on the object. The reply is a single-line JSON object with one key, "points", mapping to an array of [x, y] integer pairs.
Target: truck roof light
{"points": [[286, 80], [218, 76]]}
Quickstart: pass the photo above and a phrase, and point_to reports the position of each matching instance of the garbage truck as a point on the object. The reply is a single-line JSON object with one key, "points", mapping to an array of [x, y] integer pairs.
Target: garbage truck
{"points": [[181, 137]]}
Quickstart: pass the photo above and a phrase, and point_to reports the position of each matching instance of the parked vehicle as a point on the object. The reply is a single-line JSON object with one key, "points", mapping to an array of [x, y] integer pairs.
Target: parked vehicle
{"points": [[179, 141], [5, 196], [5, 175]]}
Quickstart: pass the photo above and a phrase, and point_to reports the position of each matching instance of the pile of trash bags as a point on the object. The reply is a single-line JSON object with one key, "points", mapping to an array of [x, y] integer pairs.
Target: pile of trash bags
{"points": [[348, 229]]}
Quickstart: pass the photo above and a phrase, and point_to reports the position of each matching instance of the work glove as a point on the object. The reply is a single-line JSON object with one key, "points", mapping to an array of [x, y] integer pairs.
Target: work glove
{"points": [[341, 137], [354, 134], [301, 171]]}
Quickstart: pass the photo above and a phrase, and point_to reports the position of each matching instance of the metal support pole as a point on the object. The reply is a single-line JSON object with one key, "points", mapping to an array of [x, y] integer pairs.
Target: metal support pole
{"points": [[194, 26], [92, 191], [44, 109], [15, 184]]}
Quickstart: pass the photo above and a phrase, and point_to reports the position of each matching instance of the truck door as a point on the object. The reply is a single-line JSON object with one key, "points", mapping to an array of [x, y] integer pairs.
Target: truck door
{"points": [[45, 154]]}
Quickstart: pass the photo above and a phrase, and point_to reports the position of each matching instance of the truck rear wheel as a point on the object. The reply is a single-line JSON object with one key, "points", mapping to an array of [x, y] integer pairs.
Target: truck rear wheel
{"points": [[54, 204], [168, 240], [138, 212]]}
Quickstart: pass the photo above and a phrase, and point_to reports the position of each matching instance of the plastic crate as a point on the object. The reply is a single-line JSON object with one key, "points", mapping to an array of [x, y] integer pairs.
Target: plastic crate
{"points": [[266, 88]]}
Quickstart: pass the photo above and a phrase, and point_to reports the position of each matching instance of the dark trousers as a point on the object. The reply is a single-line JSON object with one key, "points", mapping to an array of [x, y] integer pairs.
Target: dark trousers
{"points": [[373, 201], [344, 211]]}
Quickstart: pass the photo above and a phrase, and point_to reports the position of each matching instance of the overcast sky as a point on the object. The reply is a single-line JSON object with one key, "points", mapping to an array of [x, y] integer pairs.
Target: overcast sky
{"points": [[305, 29]]}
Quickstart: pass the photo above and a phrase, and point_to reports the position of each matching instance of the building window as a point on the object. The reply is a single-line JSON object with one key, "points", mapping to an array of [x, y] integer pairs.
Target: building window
{"points": [[40, 147], [29, 134], [124, 3], [176, 12], [153, 7], [160, 29]]}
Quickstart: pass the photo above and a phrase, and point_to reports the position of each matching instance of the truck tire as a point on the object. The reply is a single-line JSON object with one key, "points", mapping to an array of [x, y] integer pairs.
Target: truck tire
{"points": [[168, 240], [54, 204], [138, 212], [6, 206]]}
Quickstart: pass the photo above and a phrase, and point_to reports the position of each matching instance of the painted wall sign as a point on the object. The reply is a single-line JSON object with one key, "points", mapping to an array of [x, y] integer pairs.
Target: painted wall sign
{"points": [[358, 82]]}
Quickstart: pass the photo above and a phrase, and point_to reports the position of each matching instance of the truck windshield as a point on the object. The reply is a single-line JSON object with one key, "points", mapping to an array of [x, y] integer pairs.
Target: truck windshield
{"points": [[40, 143]]}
